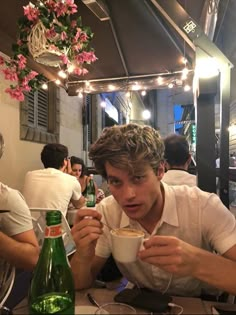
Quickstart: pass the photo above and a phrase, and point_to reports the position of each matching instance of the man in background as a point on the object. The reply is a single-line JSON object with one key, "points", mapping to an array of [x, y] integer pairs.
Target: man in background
{"points": [[177, 160], [18, 243], [53, 187]]}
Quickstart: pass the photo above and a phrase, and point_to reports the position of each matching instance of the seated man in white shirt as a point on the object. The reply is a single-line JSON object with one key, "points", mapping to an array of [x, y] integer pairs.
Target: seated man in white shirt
{"points": [[18, 243], [177, 160], [52, 187], [182, 225]]}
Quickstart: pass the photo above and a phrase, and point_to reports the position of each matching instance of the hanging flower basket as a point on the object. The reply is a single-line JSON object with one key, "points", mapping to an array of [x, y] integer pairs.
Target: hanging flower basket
{"points": [[40, 49], [52, 37]]}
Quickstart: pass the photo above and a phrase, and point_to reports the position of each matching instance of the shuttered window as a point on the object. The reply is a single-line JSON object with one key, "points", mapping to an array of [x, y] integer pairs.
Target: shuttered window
{"points": [[38, 109], [39, 114]]}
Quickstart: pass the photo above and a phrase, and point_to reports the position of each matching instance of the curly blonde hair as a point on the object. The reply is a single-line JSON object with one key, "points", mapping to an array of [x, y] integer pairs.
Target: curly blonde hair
{"points": [[127, 147]]}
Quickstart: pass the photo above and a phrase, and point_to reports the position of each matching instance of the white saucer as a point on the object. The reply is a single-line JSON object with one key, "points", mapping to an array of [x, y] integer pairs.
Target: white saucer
{"points": [[85, 309]]}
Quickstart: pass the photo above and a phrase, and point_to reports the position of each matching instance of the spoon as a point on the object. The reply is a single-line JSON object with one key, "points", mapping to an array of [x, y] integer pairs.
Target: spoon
{"points": [[90, 217], [92, 300]]}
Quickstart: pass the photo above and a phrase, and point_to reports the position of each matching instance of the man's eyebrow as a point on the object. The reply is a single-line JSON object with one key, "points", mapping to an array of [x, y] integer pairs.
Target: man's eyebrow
{"points": [[112, 177]]}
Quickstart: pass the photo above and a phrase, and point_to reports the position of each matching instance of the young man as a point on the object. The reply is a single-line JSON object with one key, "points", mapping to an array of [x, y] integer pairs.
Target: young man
{"points": [[52, 187], [182, 225], [177, 160], [18, 243]]}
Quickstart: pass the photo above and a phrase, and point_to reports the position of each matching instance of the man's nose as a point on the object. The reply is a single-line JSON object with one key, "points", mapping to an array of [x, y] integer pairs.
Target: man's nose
{"points": [[129, 191]]}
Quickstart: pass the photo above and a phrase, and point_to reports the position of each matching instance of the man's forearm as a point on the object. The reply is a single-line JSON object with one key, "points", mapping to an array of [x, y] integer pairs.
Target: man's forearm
{"points": [[216, 270], [81, 269], [20, 254]]}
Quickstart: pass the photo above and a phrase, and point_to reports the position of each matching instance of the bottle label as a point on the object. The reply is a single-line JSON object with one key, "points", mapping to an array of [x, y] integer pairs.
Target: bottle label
{"points": [[53, 231]]}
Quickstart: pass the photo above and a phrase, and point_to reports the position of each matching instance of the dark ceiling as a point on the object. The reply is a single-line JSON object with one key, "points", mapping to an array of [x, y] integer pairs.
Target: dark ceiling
{"points": [[142, 42]]}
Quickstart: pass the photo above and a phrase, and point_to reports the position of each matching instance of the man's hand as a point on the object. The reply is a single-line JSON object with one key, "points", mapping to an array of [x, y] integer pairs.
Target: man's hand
{"points": [[170, 254], [86, 231]]}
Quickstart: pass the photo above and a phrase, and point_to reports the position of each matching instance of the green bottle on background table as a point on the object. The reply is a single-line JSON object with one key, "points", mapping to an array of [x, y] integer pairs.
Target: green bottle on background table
{"points": [[91, 193], [52, 286]]}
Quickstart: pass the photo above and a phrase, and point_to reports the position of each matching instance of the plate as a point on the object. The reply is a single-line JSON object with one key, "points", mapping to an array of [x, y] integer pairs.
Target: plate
{"points": [[85, 309]]}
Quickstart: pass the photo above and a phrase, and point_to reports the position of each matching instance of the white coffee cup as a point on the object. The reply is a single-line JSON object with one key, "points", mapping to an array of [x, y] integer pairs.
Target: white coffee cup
{"points": [[126, 243]]}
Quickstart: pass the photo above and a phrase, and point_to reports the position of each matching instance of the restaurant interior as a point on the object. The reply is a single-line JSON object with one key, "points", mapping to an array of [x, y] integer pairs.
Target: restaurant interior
{"points": [[165, 63]]}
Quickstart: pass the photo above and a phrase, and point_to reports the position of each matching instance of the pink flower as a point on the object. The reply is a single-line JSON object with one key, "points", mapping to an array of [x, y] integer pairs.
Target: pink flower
{"points": [[51, 33], [10, 74], [86, 57], [60, 9], [51, 5], [71, 6], [31, 12], [77, 35], [84, 71], [19, 42], [64, 59], [83, 37], [2, 62], [77, 47], [22, 62], [16, 93], [77, 71], [31, 75], [73, 23], [80, 71], [63, 35]]}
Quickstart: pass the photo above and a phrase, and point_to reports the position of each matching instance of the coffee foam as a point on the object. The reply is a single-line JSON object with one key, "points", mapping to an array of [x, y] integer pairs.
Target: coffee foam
{"points": [[127, 232]]}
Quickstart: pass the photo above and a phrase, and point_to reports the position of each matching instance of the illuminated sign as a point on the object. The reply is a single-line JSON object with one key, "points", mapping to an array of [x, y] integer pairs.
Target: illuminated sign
{"points": [[193, 133]]}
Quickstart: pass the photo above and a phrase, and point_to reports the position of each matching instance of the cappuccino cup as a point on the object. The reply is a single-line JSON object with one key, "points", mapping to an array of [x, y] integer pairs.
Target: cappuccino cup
{"points": [[126, 243]]}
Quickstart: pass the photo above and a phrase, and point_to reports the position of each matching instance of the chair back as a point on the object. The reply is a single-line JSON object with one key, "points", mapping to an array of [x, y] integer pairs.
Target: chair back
{"points": [[39, 224], [7, 277]]}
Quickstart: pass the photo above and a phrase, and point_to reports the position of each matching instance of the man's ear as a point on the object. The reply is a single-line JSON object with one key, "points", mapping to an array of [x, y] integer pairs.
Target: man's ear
{"points": [[161, 170], [189, 159], [63, 167]]}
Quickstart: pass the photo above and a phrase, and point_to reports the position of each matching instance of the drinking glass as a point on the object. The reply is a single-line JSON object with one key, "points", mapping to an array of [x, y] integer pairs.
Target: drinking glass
{"points": [[115, 308]]}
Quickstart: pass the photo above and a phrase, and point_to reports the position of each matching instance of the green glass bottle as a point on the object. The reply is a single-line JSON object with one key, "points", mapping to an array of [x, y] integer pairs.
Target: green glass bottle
{"points": [[52, 286], [91, 193]]}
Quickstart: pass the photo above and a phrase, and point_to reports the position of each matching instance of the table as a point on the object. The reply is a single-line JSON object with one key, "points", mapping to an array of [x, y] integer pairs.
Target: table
{"points": [[105, 295]]}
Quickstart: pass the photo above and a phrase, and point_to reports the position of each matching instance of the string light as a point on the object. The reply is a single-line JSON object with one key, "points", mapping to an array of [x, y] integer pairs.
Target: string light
{"points": [[175, 79], [187, 88], [62, 74], [80, 95], [103, 104], [58, 82], [143, 93], [44, 86], [146, 114]]}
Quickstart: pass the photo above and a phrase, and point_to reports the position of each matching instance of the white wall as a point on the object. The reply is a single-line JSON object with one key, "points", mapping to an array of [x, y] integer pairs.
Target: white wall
{"points": [[71, 128], [22, 156], [19, 156]]}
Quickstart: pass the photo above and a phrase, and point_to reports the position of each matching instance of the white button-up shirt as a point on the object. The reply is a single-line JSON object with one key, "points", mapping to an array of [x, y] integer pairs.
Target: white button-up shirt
{"points": [[194, 216]]}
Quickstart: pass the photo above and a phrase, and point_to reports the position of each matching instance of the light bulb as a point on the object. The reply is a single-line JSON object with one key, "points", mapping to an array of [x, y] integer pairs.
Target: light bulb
{"points": [[159, 80], [143, 93], [187, 88], [44, 86], [58, 82], [146, 114], [62, 74], [103, 104]]}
